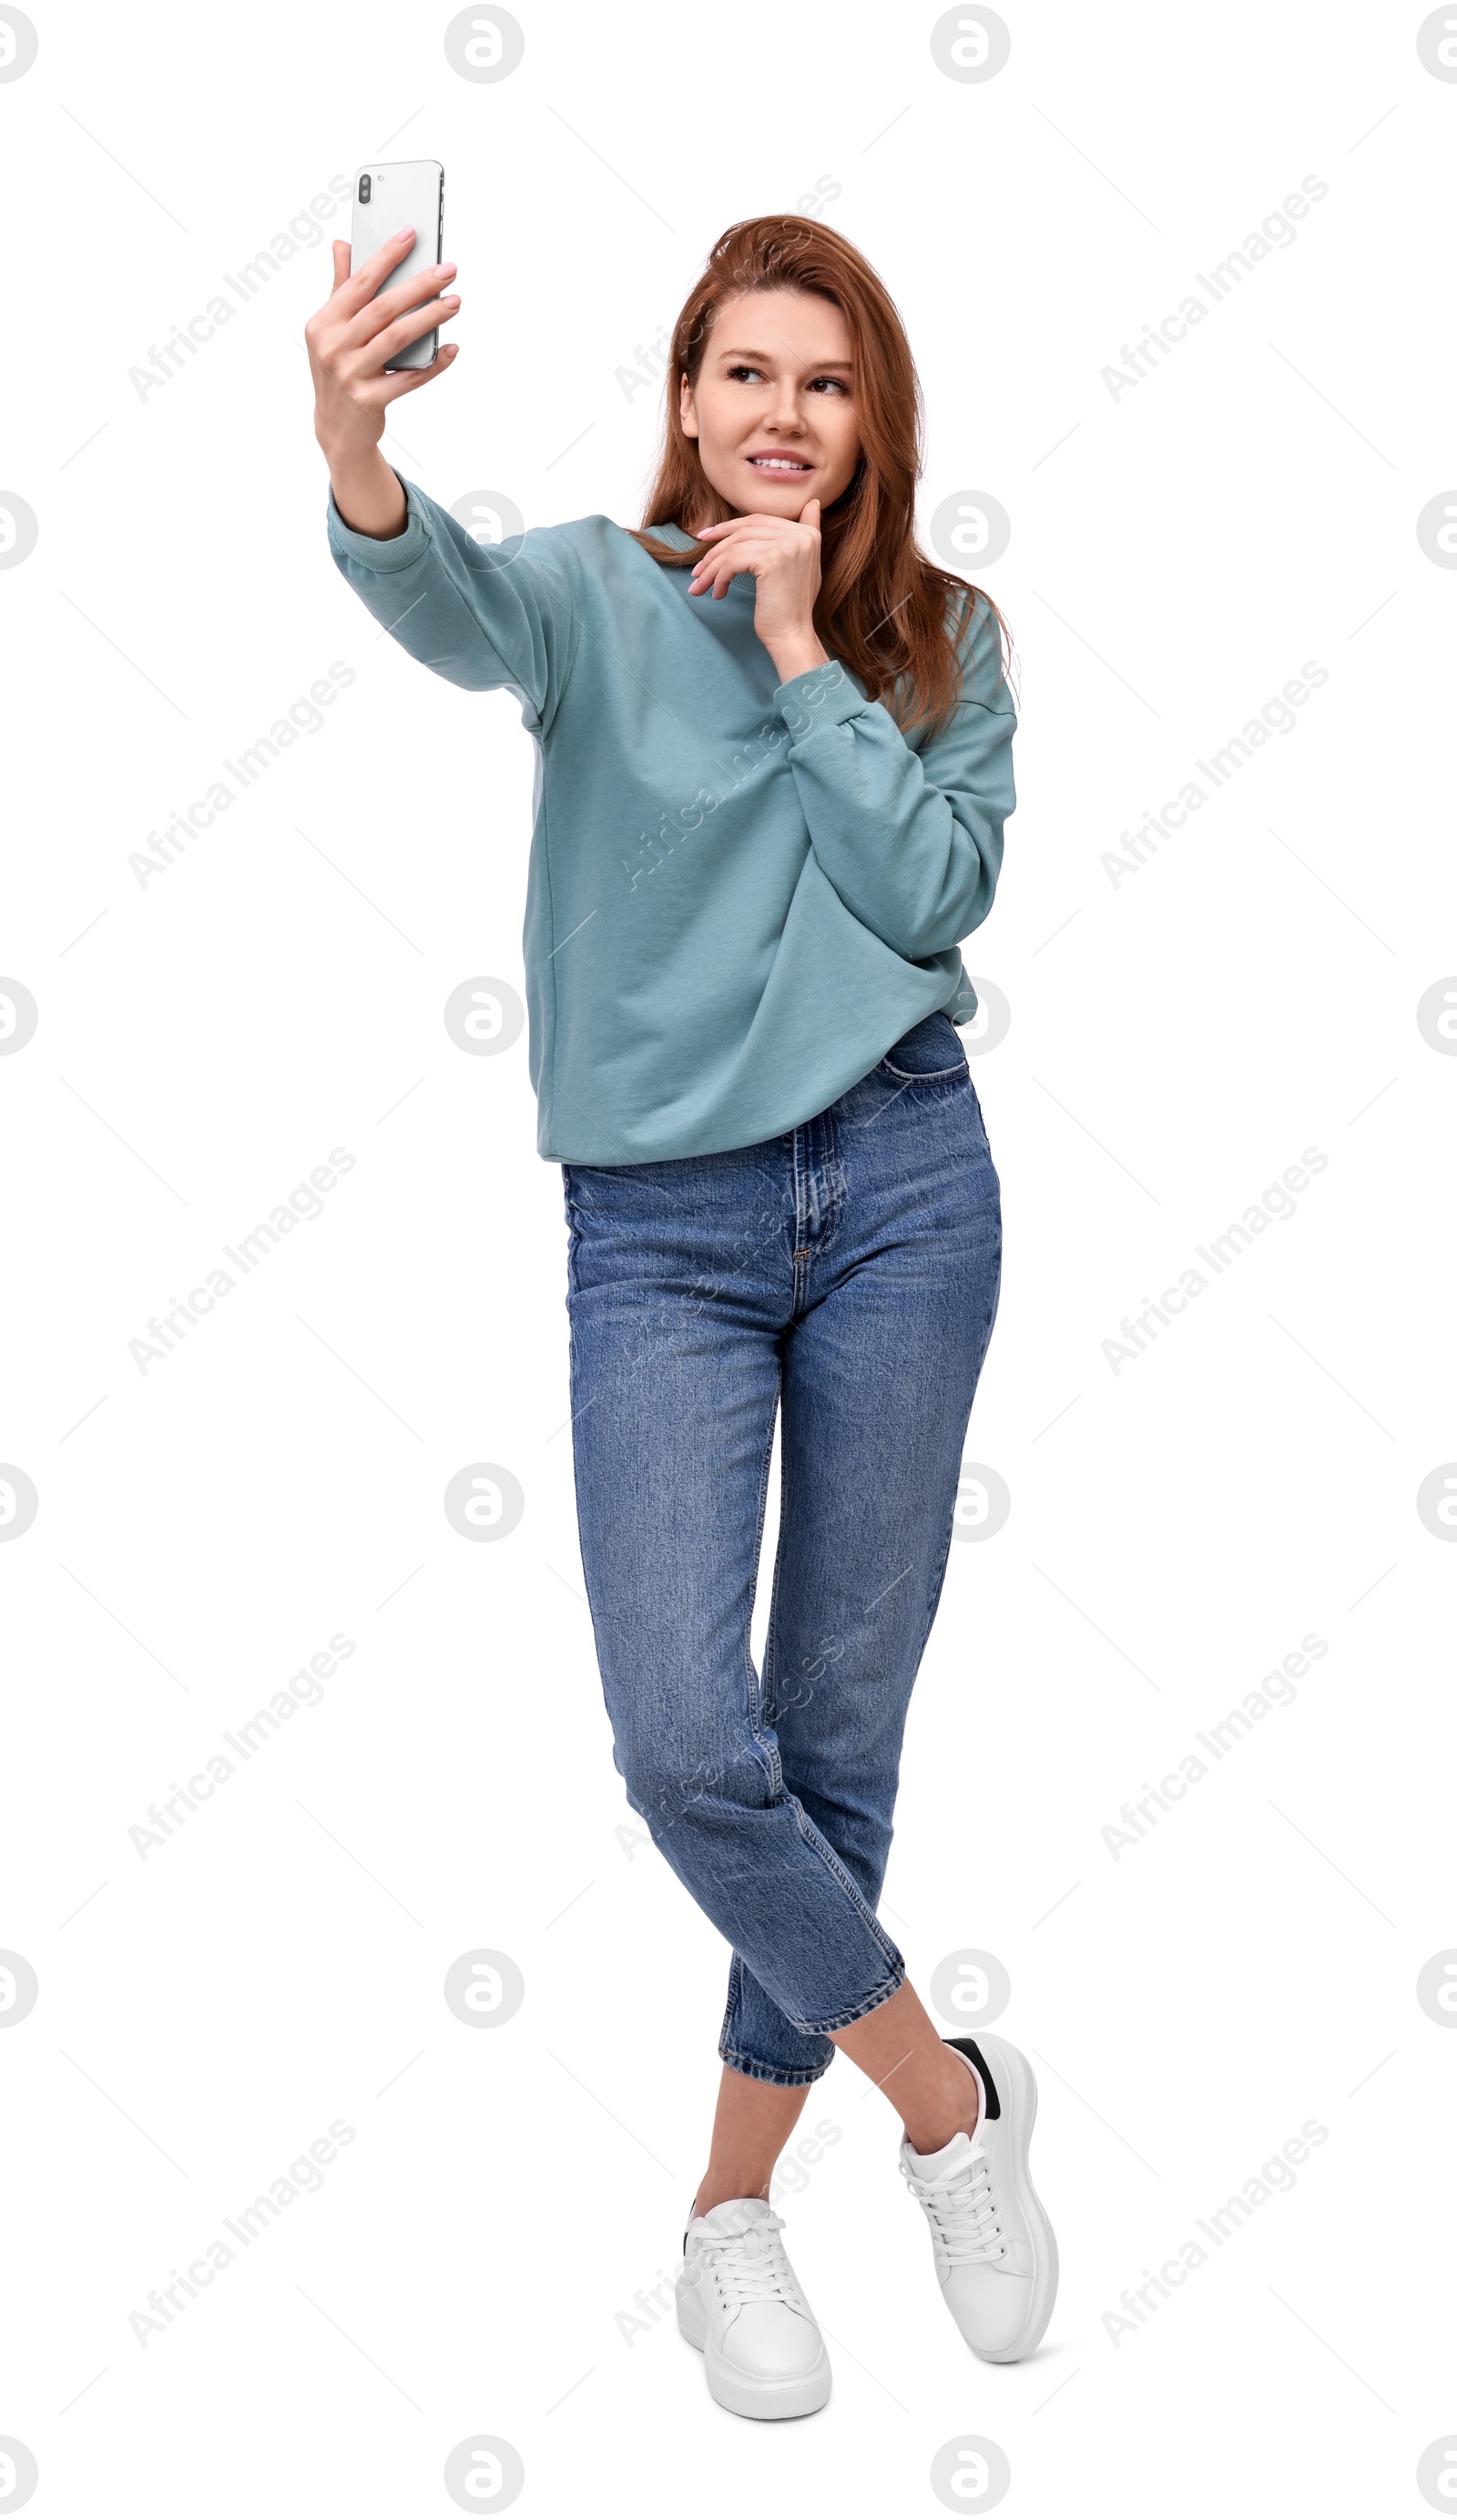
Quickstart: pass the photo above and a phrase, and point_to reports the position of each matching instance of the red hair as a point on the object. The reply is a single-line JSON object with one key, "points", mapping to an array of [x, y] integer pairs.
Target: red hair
{"points": [[883, 608]]}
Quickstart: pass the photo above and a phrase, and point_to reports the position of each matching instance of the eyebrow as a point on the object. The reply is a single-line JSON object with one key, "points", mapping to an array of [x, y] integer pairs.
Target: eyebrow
{"points": [[818, 364]]}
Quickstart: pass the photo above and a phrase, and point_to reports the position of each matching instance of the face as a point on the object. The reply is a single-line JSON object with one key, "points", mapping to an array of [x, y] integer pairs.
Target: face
{"points": [[773, 410]]}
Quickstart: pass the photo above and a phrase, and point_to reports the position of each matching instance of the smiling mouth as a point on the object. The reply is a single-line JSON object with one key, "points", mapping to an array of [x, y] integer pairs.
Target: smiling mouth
{"points": [[779, 464]]}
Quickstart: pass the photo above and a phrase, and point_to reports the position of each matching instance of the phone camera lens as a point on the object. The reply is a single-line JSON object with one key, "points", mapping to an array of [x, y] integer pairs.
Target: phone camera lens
{"points": [[364, 188]]}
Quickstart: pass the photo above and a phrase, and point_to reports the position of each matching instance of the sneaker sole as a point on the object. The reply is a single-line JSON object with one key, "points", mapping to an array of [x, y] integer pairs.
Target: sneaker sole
{"points": [[1016, 2089], [762, 2401]]}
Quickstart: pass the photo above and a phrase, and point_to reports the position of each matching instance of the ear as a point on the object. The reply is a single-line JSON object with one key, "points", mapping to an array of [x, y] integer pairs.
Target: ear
{"points": [[687, 415]]}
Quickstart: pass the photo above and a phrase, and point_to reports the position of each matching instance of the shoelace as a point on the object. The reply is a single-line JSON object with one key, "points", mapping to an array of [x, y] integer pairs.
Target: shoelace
{"points": [[962, 2210], [750, 2265]]}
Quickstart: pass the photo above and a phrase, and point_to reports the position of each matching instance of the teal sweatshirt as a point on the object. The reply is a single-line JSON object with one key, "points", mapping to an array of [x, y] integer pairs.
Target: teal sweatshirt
{"points": [[740, 893]]}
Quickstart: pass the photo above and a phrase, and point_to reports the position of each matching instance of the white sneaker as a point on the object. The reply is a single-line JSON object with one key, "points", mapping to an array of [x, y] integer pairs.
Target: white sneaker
{"points": [[995, 2254], [740, 2303]]}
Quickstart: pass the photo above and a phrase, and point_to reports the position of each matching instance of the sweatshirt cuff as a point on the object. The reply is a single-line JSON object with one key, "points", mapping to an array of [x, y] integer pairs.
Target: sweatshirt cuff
{"points": [[824, 697], [386, 558]]}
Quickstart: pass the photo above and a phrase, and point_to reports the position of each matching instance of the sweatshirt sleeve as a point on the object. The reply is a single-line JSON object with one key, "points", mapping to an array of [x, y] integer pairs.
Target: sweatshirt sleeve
{"points": [[911, 838], [488, 616]]}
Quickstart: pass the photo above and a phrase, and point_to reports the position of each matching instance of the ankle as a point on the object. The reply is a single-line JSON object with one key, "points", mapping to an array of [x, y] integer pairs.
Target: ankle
{"points": [[952, 2108], [717, 2188]]}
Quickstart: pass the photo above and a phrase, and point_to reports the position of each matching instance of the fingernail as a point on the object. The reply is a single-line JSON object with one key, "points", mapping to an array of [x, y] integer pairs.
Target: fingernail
{"points": [[400, 232]]}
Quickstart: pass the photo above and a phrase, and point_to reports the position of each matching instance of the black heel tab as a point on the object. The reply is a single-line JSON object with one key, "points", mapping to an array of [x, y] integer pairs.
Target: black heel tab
{"points": [[969, 2048]]}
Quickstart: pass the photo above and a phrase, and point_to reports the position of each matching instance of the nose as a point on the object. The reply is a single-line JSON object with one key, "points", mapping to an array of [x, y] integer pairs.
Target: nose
{"points": [[787, 414]]}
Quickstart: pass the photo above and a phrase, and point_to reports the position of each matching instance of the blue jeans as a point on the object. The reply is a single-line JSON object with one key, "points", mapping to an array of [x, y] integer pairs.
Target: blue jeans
{"points": [[846, 1274]]}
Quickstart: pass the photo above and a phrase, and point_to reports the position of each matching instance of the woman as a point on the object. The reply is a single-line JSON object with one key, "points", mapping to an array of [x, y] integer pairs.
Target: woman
{"points": [[774, 764]]}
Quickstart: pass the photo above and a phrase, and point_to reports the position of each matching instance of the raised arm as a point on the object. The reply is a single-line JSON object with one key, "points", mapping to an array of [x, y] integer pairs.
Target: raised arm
{"points": [[487, 619], [350, 340]]}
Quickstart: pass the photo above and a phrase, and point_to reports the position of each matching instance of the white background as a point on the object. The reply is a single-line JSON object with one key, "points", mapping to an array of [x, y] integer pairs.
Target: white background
{"points": [[1177, 1039]]}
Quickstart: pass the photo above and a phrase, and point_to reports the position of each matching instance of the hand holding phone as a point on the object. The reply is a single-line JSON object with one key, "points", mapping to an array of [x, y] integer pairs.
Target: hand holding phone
{"points": [[407, 191], [355, 344]]}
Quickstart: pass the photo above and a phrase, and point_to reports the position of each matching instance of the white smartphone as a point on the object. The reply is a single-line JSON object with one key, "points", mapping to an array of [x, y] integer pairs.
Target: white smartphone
{"points": [[409, 193]]}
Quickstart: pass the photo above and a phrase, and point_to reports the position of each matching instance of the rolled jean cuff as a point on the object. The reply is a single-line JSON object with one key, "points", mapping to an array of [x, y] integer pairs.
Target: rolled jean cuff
{"points": [[785, 2075], [857, 2011], [796, 2077]]}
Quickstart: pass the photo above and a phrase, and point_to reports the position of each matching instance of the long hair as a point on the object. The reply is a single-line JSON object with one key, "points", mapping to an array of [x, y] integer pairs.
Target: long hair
{"points": [[883, 608]]}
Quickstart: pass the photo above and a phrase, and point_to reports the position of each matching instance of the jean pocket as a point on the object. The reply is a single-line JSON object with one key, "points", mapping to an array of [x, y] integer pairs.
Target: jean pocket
{"points": [[929, 1054]]}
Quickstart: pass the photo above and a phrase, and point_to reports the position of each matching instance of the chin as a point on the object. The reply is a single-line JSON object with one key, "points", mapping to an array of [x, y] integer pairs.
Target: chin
{"points": [[793, 486]]}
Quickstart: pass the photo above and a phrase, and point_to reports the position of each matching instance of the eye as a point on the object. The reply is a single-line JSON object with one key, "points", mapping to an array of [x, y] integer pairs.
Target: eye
{"points": [[833, 384], [735, 374]]}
